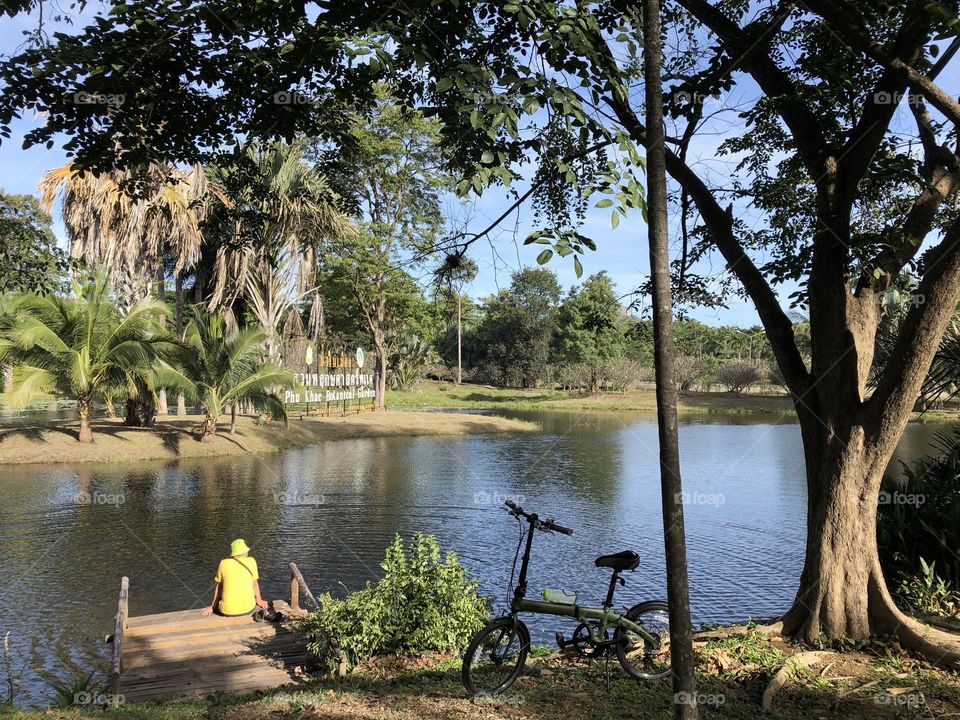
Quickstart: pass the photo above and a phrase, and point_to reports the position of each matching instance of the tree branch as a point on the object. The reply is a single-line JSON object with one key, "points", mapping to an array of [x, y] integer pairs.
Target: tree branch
{"points": [[920, 334], [803, 123], [846, 21], [720, 224]]}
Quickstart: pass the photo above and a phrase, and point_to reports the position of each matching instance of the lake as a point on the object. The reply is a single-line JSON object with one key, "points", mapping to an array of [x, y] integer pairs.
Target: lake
{"points": [[334, 507]]}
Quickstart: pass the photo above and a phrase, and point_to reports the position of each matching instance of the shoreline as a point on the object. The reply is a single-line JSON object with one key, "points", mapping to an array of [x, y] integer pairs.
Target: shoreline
{"points": [[175, 437]]}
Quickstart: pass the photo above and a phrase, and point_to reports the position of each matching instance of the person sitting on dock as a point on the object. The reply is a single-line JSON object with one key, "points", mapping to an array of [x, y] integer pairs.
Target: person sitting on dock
{"points": [[237, 590]]}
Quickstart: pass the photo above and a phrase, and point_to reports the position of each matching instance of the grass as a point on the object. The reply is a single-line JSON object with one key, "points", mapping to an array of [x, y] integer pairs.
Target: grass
{"points": [[732, 675], [448, 395], [175, 437]]}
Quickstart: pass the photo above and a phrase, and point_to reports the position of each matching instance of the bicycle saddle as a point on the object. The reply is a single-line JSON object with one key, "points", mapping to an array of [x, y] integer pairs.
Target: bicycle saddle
{"points": [[626, 560]]}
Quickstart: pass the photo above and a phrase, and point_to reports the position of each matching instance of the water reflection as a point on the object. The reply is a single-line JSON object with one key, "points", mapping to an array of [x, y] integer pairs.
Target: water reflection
{"points": [[334, 507]]}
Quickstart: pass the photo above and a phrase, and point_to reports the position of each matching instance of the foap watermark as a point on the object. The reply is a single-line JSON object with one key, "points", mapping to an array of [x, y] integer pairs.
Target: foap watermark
{"points": [[293, 97], [495, 498], [883, 97], [494, 98], [901, 498], [698, 498], [99, 498], [109, 99], [705, 699], [906, 699], [97, 699], [298, 498], [688, 98]]}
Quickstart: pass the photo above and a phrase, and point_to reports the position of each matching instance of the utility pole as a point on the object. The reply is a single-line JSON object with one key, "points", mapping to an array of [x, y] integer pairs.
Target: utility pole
{"points": [[664, 352]]}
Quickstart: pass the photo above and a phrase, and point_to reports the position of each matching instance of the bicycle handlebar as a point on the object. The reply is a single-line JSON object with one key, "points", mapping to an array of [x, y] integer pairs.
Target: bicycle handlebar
{"points": [[547, 524]]}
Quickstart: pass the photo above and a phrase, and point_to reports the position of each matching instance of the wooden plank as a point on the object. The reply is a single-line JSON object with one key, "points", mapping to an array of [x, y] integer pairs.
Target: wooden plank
{"points": [[253, 631], [170, 693], [215, 646], [189, 620], [199, 680], [195, 666], [212, 652]]}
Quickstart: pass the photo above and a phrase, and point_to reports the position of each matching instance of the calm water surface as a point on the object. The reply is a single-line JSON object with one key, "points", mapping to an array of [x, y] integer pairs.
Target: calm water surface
{"points": [[333, 508]]}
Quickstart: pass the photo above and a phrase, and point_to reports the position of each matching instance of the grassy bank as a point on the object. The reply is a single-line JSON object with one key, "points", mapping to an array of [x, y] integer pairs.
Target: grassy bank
{"points": [[448, 395], [734, 672], [176, 437]]}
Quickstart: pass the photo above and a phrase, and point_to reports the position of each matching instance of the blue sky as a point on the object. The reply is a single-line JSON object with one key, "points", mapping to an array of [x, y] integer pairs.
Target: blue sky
{"points": [[622, 253]]}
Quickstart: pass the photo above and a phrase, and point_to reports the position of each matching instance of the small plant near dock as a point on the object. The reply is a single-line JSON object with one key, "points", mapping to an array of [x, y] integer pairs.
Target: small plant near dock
{"points": [[425, 602], [76, 691]]}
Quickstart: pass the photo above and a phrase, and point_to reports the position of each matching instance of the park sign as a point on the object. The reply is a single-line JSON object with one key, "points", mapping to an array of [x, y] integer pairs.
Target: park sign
{"points": [[327, 378]]}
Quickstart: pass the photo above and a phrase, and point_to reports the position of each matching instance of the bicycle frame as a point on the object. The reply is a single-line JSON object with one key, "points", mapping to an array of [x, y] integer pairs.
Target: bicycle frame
{"points": [[606, 617]]}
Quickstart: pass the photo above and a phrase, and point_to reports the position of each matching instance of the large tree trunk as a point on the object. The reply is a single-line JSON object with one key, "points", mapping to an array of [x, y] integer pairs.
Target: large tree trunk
{"points": [[162, 408], [140, 411], [233, 418], [83, 410], [841, 575], [843, 593]]}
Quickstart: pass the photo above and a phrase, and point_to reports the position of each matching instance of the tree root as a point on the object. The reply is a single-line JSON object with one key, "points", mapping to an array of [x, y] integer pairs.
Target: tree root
{"points": [[789, 669]]}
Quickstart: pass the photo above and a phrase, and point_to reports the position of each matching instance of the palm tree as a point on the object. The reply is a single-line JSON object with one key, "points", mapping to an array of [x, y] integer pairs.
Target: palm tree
{"points": [[127, 222], [124, 221], [83, 346], [276, 210], [224, 368]]}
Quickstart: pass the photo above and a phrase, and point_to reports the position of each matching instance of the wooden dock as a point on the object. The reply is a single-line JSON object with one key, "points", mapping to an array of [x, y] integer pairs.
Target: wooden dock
{"points": [[184, 654]]}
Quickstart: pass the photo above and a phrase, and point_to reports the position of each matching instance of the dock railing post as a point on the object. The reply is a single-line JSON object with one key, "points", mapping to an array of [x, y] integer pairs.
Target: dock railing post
{"points": [[119, 625], [297, 583]]}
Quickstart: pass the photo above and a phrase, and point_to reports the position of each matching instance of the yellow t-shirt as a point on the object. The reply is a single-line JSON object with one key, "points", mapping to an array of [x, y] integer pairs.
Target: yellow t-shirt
{"points": [[236, 576]]}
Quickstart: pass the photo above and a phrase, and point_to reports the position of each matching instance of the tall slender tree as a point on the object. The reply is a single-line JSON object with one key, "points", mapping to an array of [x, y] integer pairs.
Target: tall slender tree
{"points": [[664, 353]]}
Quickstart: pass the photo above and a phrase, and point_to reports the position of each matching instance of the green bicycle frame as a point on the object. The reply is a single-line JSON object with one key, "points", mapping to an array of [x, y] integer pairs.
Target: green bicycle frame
{"points": [[606, 617]]}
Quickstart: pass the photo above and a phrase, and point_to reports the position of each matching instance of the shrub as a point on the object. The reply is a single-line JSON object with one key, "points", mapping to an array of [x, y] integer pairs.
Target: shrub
{"points": [[688, 370], [423, 603], [738, 376], [929, 594], [918, 518], [622, 373]]}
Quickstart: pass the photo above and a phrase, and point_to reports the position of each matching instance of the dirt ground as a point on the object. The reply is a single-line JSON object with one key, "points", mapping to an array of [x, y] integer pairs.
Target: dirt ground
{"points": [[176, 437]]}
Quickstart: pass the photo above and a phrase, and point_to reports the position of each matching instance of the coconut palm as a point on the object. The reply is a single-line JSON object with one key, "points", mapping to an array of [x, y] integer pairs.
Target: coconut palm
{"points": [[224, 368], [83, 346]]}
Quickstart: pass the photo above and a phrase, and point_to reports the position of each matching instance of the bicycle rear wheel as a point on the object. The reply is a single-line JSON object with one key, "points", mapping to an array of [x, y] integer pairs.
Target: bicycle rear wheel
{"points": [[495, 657], [646, 658]]}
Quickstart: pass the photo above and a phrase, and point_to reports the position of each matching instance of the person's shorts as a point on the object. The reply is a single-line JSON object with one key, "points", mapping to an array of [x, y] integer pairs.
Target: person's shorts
{"points": [[251, 611]]}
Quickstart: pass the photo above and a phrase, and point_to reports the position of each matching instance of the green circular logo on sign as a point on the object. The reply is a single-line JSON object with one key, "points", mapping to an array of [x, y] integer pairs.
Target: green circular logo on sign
{"points": [[360, 357]]}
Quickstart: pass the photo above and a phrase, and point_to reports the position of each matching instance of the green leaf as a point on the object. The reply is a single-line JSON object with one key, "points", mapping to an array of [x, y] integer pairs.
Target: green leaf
{"points": [[544, 257], [444, 83], [615, 219], [487, 157], [577, 267], [605, 203]]}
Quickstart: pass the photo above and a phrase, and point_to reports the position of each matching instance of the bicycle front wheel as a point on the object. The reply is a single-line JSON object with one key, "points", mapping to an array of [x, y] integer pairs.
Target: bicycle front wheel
{"points": [[495, 657], [646, 656]]}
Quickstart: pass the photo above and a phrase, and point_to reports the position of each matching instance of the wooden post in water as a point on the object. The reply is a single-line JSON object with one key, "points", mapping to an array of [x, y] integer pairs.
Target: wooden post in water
{"points": [[119, 625]]}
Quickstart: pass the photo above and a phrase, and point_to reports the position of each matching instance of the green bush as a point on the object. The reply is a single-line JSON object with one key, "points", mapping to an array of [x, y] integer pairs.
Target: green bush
{"points": [[929, 594], [423, 603]]}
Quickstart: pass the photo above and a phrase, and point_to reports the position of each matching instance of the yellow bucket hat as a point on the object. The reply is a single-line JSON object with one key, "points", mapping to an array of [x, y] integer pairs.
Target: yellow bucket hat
{"points": [[238, 547]]}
